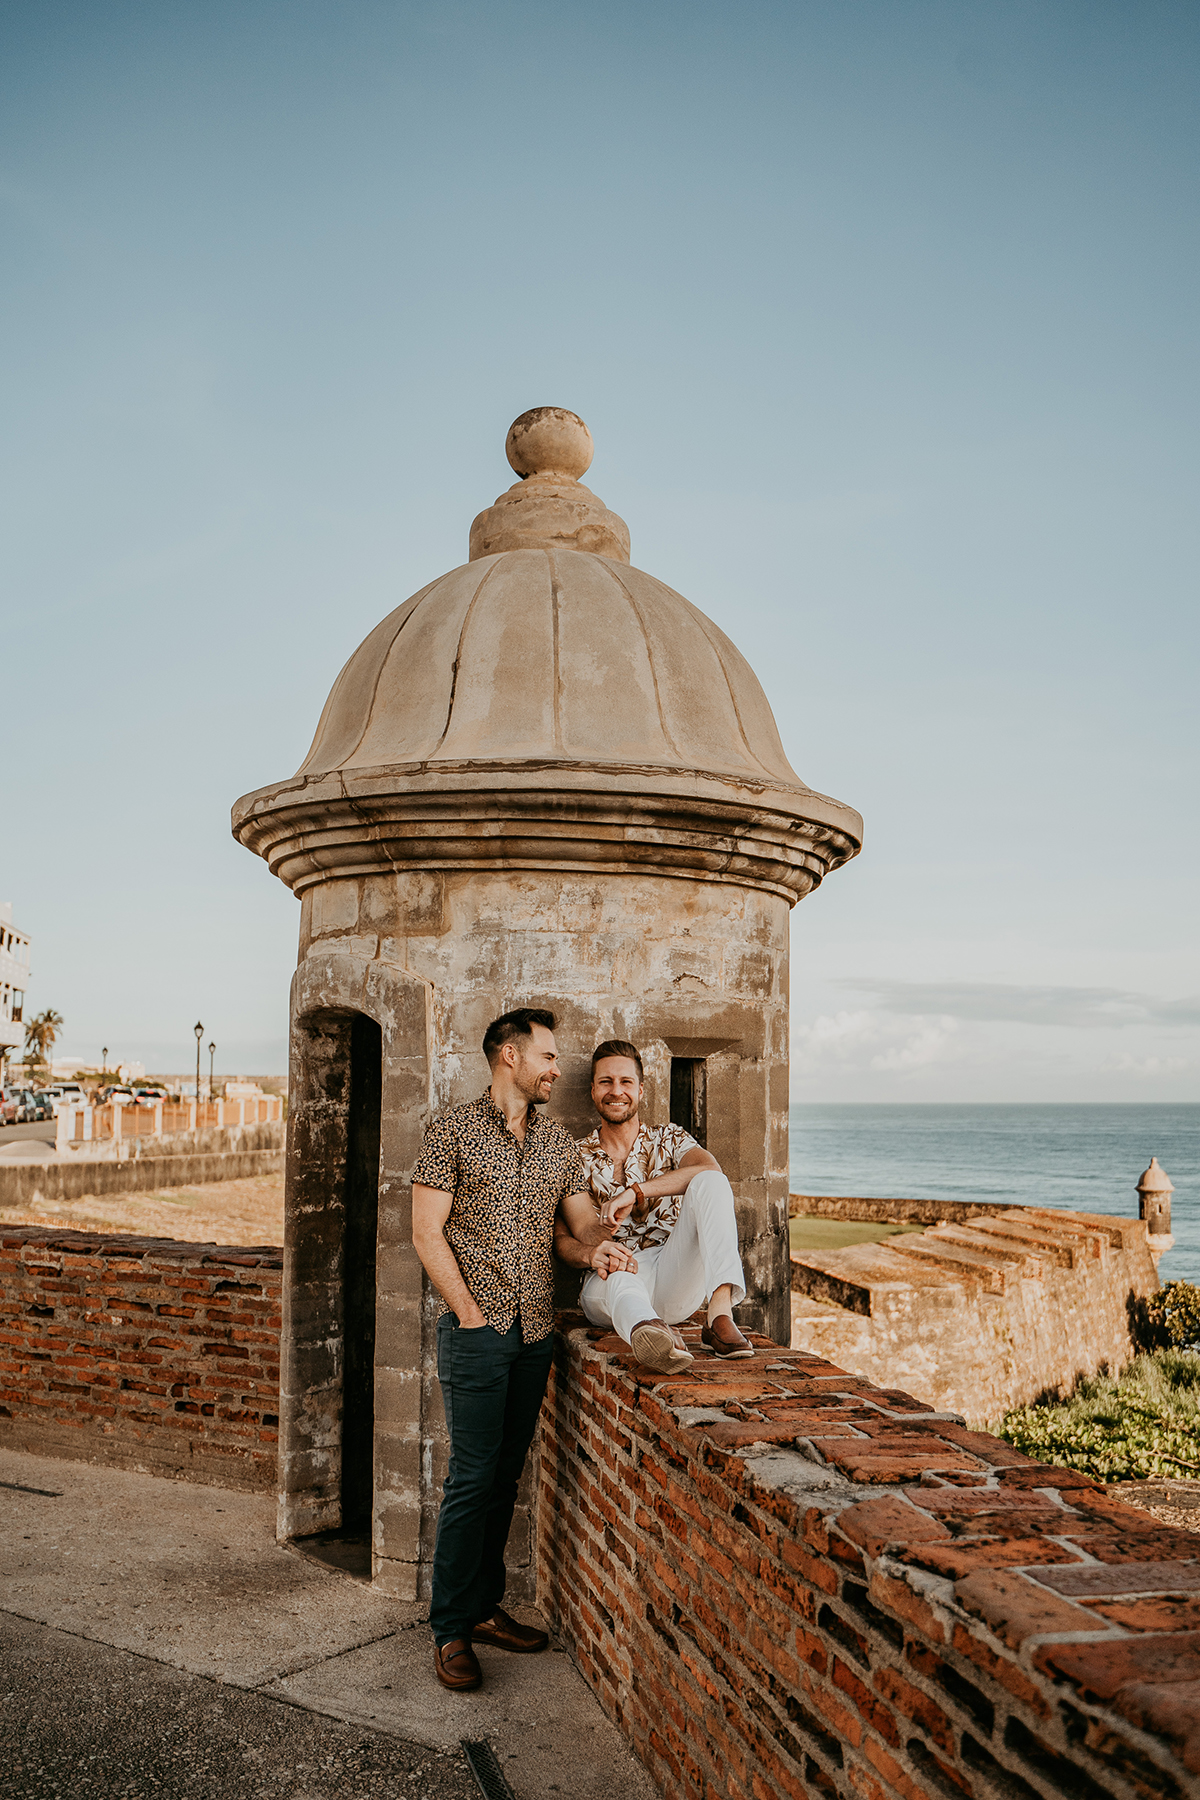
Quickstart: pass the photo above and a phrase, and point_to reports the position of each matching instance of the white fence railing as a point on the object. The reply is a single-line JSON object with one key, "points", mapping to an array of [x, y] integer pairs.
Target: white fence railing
{"points": [[127, 1119]]}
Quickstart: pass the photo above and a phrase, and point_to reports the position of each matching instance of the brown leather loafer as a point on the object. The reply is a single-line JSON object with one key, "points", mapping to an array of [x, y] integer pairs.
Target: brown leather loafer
{"points": [[724, 1338], [507, 1633], [456, 1666], [660, 1348]]}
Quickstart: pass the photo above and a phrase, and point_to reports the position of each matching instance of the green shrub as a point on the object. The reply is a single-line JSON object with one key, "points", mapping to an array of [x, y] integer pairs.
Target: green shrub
{"points": [[1141, 1425], [1173, 1314]]}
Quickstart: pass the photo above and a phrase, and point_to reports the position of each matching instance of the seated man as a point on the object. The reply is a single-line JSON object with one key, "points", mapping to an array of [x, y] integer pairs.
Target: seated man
{"points": [[665, 1199]]}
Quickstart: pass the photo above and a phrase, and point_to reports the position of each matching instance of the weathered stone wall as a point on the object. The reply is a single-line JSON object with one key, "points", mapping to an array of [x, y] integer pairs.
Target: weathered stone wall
{"points": [[141, 1352], [781, 1580], [684, 968], [887, 1211], [431, 959], [981, 1317]]}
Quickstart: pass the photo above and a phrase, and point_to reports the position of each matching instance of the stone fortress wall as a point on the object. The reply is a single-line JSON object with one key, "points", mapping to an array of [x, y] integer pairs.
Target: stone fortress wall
{"points": [[986, 1309]]}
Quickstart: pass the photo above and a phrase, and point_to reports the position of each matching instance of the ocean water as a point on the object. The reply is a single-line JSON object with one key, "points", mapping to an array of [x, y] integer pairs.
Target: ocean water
{"points": [[1085, 1157]]}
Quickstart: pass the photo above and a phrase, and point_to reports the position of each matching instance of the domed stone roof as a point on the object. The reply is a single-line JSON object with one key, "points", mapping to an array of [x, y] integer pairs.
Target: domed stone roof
{"points": [[540, 690], [551, 656]]}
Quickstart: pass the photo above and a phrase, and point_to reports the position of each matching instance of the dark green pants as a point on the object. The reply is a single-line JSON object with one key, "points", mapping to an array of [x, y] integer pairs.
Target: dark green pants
{"points": [[492, 1386]]}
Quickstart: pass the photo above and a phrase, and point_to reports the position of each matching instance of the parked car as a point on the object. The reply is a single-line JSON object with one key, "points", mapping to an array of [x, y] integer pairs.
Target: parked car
{"points": [[120, 1095], [45, 1104], [28, 1112], [68, 1093], [10, 1105]]}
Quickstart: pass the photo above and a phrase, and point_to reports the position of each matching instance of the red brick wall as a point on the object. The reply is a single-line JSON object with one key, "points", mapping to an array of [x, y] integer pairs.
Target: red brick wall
{"points": [[141, 1352], [782, 1581]]}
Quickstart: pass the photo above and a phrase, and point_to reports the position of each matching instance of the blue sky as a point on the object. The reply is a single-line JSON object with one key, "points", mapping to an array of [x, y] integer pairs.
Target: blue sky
{"points": [[883, 319]]}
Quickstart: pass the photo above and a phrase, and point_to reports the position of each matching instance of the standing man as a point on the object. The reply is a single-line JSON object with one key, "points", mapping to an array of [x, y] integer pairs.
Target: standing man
{"points": [[672, 1207], [486, 1186]]}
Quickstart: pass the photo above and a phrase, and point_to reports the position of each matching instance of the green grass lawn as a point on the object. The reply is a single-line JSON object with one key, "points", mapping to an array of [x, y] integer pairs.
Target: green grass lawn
{"points": [[812, 1233]]}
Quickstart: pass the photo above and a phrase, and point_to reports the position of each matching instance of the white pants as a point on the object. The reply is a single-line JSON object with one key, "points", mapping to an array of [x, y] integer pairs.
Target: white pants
{"points": [[675, 1278]]}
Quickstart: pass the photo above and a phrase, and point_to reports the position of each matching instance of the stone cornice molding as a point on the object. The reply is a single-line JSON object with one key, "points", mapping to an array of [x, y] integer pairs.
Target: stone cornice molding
{"points": [[553, 816]]}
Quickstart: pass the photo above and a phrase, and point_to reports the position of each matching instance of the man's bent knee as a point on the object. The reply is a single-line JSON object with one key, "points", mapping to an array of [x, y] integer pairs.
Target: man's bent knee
{"points": [[709, 1185], [598, 1298]]}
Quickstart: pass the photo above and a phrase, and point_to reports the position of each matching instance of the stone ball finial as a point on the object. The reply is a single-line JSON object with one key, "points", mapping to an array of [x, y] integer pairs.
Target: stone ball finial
{"points": [[549, 440], [549, 508]]}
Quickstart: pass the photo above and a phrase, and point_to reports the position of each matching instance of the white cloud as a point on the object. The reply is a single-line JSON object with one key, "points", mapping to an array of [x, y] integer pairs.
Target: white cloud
{"points": [[870, 1040], [1144, 1065], [1017, 1003], [930, 1044]]}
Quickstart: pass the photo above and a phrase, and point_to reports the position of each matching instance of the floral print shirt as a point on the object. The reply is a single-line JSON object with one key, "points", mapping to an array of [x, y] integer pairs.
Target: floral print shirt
{"points": [[504, 1197], [657, 1150]]}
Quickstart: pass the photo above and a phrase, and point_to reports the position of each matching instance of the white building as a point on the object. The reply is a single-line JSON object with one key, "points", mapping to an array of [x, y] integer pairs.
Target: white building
{"points": [[14, 977]]}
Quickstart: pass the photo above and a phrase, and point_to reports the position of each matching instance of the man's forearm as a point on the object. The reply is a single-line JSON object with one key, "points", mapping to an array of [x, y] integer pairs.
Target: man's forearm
{"points": [[675, 1181], [580, 1252], [589, 1235], [441, 1266], [576, 1253]]}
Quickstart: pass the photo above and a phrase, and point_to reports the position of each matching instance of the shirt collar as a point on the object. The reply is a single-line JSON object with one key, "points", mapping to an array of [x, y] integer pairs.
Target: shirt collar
{"points": [[643, 1132], [532, 1114]]}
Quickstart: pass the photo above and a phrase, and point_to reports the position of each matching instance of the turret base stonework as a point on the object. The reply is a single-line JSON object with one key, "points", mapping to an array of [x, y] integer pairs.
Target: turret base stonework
{"points": [[691, 971]]}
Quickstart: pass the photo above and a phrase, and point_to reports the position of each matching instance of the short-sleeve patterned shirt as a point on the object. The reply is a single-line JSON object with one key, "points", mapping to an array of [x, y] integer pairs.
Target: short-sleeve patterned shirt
{"points": [[656, 1150], [504, 1197]]}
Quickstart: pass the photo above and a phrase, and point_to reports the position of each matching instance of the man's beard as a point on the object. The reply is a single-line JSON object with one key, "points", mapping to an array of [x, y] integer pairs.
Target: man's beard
{"points": [[529, 1086], [617, 1112]]}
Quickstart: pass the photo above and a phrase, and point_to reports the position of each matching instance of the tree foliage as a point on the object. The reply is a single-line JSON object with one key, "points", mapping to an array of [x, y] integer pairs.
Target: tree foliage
{"points": [[1173, 1314], [41, 1035]]}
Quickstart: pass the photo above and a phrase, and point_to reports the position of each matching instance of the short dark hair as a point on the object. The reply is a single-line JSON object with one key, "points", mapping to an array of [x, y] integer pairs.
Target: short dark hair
{"points": [[510, 1025], [618, 1047]]}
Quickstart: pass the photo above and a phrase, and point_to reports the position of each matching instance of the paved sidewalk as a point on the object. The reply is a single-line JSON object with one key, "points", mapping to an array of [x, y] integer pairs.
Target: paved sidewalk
{"points": [[89, 1723], [191, 1578]]}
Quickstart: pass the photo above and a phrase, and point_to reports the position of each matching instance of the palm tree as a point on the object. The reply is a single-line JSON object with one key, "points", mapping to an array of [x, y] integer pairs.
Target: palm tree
{"points": [[41, 1034]]}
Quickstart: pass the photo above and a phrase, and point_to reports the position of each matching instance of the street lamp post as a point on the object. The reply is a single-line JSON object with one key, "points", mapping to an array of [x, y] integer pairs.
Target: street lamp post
{"points": [[104, 1060], [212, 1051], [199, 1030]]}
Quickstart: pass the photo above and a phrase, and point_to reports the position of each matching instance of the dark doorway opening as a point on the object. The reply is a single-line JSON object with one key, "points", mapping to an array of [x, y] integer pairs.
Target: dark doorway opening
{"points": [[358, 1275], [689, 1097]]}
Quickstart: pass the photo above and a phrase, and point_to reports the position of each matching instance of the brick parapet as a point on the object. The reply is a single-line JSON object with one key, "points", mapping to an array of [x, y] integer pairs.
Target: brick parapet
{"points": [[783, 1580], [145, 1353]]}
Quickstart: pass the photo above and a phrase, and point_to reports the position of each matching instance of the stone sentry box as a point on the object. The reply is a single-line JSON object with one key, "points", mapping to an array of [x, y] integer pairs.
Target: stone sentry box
{"points": [[546, 779]]}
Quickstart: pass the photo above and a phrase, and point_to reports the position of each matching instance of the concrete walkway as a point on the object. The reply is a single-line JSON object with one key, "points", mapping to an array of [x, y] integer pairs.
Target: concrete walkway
{"points": [[191, 1578], [30, 1143]]}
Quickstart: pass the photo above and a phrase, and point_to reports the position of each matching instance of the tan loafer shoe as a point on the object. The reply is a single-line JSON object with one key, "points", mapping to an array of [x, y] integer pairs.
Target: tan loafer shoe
{"points": [[660, 1348], [724, 1338], [507, 1633], [456, 1666]]}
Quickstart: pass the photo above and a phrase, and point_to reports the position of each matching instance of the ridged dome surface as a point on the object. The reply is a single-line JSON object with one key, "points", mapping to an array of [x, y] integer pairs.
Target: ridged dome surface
{"points": [[542, 656]]}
